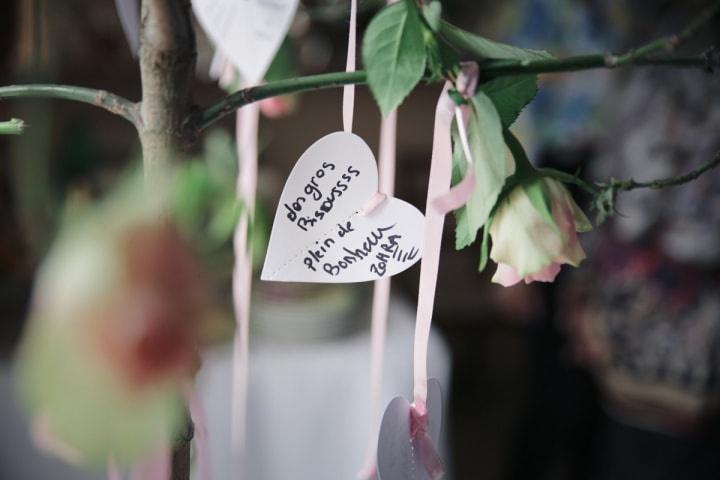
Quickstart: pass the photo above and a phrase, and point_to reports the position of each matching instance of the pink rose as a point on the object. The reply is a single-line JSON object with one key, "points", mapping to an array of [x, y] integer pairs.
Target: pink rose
{"points": [[534, 232]]}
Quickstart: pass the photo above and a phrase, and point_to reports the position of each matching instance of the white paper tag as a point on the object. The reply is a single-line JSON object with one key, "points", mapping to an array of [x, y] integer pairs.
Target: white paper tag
{"points": [[248, 32], [397, 456], [318, 234]]}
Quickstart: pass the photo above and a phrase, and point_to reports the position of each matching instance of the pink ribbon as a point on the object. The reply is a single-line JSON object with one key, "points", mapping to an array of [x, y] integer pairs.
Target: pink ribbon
{"points": [[154, 467], [440, 200], [246, 132], [113, 472], [349, 90], [202, 445], [461, 193], [381, 298], [438, 185]]}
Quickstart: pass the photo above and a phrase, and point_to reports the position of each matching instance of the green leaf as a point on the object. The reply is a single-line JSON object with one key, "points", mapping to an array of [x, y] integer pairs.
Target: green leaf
{"points": [[14, 126], [491, 165], [432, 13], [510, 95], [459, 167], [538, 195], [524, 170], [484, 48], [394, 55]]}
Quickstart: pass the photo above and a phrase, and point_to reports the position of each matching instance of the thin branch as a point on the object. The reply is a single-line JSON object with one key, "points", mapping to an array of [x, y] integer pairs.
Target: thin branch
{"points": [[627, 185], [671, 42], [202, 118], [501, 68], [99, 98], [605, 196]]}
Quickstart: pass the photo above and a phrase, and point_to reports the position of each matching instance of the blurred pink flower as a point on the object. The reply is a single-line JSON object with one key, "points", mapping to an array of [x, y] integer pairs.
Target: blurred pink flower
{"points": [[278, 107], [113, 333]]}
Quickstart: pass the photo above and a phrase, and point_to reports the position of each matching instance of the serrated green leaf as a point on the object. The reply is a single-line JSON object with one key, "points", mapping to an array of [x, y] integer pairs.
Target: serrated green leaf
{"points": [[492, 169], [484, 48], [510, 95], [394, 55]]}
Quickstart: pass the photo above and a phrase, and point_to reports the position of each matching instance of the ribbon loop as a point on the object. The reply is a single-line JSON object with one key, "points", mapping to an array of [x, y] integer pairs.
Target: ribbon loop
{"points": [[459, 195]]}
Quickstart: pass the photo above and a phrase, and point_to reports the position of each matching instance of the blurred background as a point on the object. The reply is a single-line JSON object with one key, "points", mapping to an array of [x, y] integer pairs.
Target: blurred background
{"points": [[610, 373]]}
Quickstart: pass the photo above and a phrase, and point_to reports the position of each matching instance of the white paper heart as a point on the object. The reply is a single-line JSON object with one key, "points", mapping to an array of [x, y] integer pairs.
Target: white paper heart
{"points": [[318, 234], [397, 455], [248, 32]]}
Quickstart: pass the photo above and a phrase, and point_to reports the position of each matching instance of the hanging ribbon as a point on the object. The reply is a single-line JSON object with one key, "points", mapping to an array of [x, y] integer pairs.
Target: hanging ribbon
{"points": [[349, 90], [381, 298], [440, 200], [113, 472], [246, 132], [438, 185], [155, 467], [460, 193]]}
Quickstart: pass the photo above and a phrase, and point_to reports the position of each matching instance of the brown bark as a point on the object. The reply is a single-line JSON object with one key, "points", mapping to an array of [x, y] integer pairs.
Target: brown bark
{"points": [[167, 66]]}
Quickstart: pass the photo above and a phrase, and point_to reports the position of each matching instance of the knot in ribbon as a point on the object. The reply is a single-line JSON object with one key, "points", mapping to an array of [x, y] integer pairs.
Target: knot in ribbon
{"points": [[422, 443], [459, 195]]}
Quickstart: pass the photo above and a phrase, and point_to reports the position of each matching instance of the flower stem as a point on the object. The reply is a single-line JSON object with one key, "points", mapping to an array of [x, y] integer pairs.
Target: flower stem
{"points": [[630, 184]]}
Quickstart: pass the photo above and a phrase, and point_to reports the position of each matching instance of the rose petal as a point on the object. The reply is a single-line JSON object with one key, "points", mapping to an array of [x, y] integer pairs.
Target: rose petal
{"points": [[506, 276], [547, 274]]}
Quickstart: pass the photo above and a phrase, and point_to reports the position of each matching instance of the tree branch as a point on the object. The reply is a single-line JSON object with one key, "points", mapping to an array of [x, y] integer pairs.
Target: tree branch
{"points": [[627, 185], [98, 98], [642, 56], [167, 65], [201, 119], [671, 42], [606, 194]]}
